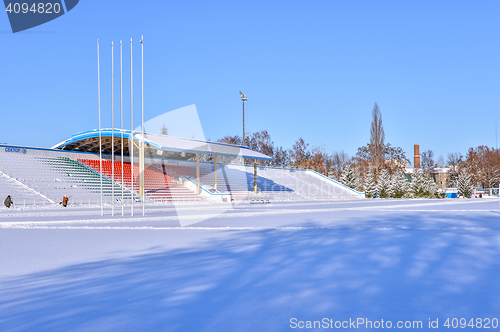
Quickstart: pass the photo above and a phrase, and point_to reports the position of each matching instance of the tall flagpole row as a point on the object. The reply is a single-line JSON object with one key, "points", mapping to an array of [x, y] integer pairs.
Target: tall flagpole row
{"points": [[132, 133], [100, 138]]}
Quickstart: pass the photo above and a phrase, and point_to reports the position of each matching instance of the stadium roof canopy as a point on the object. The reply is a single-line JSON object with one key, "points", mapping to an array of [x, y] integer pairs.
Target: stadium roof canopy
{"points": [[157, 146]]}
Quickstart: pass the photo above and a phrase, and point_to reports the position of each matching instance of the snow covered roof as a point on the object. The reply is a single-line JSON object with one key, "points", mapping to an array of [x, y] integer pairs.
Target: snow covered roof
{"points": [[159, 146], [434, 170]]}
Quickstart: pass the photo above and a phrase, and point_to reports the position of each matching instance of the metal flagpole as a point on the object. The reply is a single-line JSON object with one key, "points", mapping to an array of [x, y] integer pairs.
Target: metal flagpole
{"points": [[132, 128], [121, 107], [100, 140], [112, 134], [142, 99]]}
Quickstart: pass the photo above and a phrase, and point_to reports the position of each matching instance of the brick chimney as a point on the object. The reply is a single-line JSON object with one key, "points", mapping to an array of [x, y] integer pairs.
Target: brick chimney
{"points": [[416, 157]]}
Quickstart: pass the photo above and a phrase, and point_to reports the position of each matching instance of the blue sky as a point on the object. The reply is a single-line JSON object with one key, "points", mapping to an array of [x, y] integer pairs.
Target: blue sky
{"points": [[311, 69]]}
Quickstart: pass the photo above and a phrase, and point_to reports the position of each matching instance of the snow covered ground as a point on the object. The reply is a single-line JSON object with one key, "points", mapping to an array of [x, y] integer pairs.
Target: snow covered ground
{"points": [[255, 267]]}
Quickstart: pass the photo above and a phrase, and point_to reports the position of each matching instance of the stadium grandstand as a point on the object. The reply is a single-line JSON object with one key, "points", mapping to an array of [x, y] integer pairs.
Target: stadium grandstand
{"points": [[162, 169]]}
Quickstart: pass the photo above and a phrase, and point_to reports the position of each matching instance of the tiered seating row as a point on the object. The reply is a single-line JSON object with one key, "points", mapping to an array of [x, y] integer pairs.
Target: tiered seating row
{"points": [[238, 181], [157, 185], [33, 178], [52, 177], [86, 178], [20, 194], [307, 184]]}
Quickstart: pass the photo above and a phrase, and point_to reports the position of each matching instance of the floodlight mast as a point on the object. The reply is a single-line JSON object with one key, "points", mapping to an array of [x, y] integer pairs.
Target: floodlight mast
{"points": [[243, 99]]}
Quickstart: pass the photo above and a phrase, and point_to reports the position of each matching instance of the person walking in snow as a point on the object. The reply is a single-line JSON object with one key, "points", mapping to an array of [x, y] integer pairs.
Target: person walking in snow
{"points": [[65, 201], [8, 201]]}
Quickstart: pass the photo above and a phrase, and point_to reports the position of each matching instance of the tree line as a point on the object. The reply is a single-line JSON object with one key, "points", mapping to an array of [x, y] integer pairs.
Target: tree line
{"points": [[299, 156], [379, 164], [398, 185]]}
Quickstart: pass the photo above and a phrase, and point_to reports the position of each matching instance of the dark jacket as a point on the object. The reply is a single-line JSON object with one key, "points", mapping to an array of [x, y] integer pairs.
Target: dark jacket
{"points": [[8, 201]]}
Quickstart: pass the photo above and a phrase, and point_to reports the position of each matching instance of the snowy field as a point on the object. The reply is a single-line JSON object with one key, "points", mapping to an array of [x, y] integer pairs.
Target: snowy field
{"points": [[256, 267]]}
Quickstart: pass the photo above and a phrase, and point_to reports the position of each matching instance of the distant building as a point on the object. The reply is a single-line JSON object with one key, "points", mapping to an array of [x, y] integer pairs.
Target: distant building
{"points": [[442, 176]]}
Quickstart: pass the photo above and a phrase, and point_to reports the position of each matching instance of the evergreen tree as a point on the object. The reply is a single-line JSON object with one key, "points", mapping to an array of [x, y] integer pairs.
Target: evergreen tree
{"points": [[384, 184], [429, 185], [348, 177], [361, 185], [369, 184], [399, 184], [417, 187], [406, 185], [464, 184]]}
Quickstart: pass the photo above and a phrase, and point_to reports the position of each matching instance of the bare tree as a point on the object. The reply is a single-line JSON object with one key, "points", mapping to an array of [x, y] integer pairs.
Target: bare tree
{"points": [[427, 162], [339, 160], [231, 140], [394, 159], [281, 157], [455, 159], [316, 160], [300, 153], [440, 161], [261, 142], [483, 164], [377, 137]]}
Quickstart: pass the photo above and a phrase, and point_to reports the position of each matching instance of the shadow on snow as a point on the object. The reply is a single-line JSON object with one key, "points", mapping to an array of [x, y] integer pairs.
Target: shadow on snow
{"points": [[259, 280]]}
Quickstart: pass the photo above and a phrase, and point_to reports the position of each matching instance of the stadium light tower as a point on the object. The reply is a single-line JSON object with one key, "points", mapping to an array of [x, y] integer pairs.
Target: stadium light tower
{"points": [[243, 99]]}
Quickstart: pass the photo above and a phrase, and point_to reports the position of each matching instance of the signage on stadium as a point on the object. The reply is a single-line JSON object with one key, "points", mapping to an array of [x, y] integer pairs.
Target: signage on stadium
{"points": [[17, 150]]}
